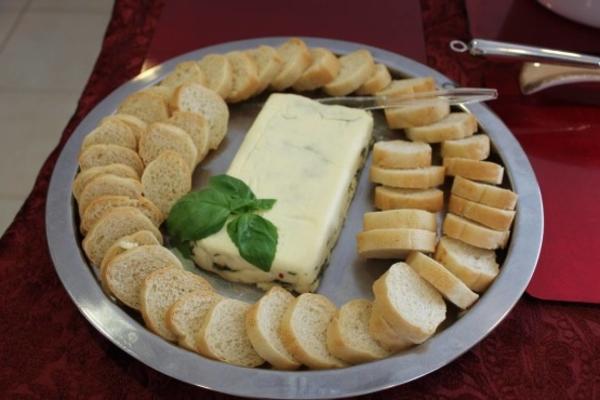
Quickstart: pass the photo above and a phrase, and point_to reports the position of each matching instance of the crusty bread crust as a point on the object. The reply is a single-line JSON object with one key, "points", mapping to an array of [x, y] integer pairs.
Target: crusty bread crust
{"points": [[355, 69], [392, 198], [474, 234], [492, 196], [452, 126], [378, 81], [426, 112], [494, 218], [401, 154], [323, 69], [406, 218], [245, 76], [413, 178], [476, 147], [394, 243], [296, 59], [484, 171]]}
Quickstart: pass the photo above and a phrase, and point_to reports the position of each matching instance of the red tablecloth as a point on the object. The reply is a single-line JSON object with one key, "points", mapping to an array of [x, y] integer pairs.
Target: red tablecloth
{"points": [[543, 350]]}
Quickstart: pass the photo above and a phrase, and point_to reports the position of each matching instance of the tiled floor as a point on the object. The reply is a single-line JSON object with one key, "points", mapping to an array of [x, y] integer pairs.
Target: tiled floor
{"points": [[47, 51]]}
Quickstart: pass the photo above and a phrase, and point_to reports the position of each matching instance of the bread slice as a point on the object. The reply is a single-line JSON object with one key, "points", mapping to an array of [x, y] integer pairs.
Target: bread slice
{"points": [[387, 198], [476, 147], [196, 126], [484, 171], [348, 335], [474, 234], [401, 154], [379, 80], [198, 99], [108, 185], [147, 106], [105, 154], [111, 227], [421, 113], [222, 335], [303, 331], [476, 267], [394, 242], [218, 72], [403, 87], [268, 63], [125, 273], [84, 177], [128, 242], [324, 68], [456, 125], [296, 59], [164, 92], [355, 69], [186, 316], [245, 76], [163, 136], [495, 218], [387, 336], [443, 280], [410, 305], [160, 290], [262, 326], [111, 132], [414, 178], [137, 126], [184, 72], [410, 219], [166, 179], [101, 205], [492, 196]]}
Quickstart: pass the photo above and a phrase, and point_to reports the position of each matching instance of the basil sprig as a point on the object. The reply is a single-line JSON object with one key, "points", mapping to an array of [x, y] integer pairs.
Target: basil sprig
{"points": [[198, 215]]}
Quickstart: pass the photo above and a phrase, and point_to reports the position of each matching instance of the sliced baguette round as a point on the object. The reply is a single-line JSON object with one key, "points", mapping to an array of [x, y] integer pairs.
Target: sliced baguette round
{"points": [[414, 178], [262, 326], [401, 154], [476, 147], [410, 305], [163, 136], [296, 59], [222, 335], [303, 331], [379, 80], [164, 92], [492, 196], [245, 76], [348, 335], [268, 63], [166, 179], [418, 114], [388, 337], [111, 132], [111, 227], [443, 280], [484, 171], [387, 198], [495, 218], [474, 234], [184, 72], [99, 155], [101, 205], [196, 126], [324, 68], [394, 242], [108, 185], [147, 106], [160, 290], [84, 177], [403, 87], [476, 267], [408, 218], [355, 69], [137, 126], [456, 125], [218, 72]]}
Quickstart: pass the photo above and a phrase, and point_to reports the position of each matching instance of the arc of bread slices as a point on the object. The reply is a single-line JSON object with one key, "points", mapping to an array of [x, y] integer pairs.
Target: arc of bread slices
{"points": [[484, 171], [184, 72], [379, 80], [492, 196], [84, 177], [474, 234], [296, 59], [163, 136], [394, 242], [111, 132], [147, 106], [476, 147], [269, 64], [495, 218], [418, 114], [99, 155], [456, 125], [245, 76], [355, 69], [407, 218], [388, 337], [196, 126], [413, 178], [137, 126], [218, 72], [401, 154], [105, 185], [102, 204], [387, 198], [324, 68]]}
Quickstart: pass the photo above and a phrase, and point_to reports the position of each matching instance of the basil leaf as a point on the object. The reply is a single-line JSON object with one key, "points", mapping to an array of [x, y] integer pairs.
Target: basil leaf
{"points": [[264, 204], [241, 206], [255, 238], [231, 186], [198, 215], [185, 248]]}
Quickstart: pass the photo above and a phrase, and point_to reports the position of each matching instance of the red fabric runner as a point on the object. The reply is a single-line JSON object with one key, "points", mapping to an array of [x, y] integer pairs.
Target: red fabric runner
{"points": [[543, 350]]}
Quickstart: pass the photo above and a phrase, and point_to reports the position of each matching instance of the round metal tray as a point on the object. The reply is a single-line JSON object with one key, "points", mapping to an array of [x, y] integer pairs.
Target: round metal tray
{"points": [[346, 277]]}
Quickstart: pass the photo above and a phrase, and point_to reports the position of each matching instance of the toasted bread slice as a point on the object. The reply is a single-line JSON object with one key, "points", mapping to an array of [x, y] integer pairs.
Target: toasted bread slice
{"points": [[296, 59], [198, 99], [166, 179], [492, 196], [414, 178], [137, 126], [411, 306], [355, 69], [108, 185], [443, 280], [245, 76], [111, 132], [218, 72], [484, 171], [99, 155], [385, 334], [268, 63], [474, 234], [163, 136], [348, 335], [303, 331], [84, 177], [186, 315], [324, 68], [196, 126], [101, 205], [421, 113], [403, 87], [262, 326], [456, 125], [476, 267], [184, 72], [410, 219], [495, 218], [476, 147], [111, 227], [379, 80], [394, 242], [147, 106], [401, 154], [387, 198]]}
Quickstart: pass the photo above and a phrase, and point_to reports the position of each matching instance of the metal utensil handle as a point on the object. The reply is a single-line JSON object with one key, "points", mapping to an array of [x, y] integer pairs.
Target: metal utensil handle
{"points": [[492, 48]]}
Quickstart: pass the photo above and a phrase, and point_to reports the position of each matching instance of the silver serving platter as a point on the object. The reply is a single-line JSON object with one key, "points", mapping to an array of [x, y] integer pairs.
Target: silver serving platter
{"points": [[346, 278]]}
